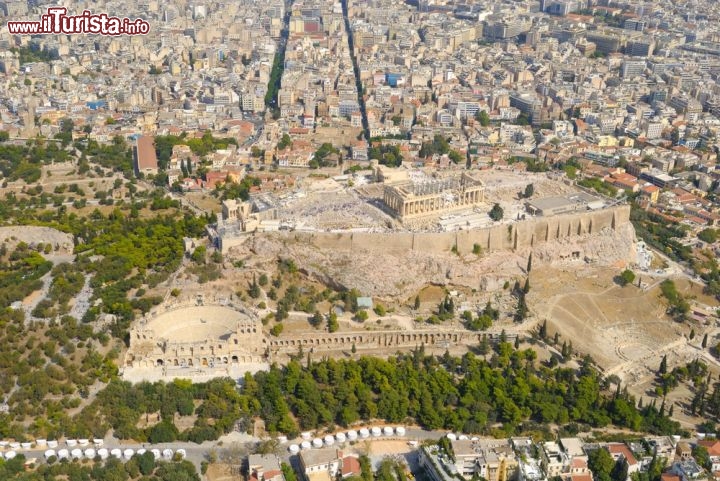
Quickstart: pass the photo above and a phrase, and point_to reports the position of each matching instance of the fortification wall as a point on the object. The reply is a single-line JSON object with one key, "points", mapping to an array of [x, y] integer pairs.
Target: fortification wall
{"points": [[517, 235], [227, 243], [387, 242]]}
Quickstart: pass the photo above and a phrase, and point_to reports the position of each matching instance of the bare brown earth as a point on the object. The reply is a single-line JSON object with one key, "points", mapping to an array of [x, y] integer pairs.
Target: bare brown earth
{"points": [[625, 329], [222, 472]]}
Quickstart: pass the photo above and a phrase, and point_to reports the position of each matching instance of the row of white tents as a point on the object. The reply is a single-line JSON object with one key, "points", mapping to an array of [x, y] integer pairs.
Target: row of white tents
{"points": [[461, 437], [52, 444], [103, 453], [352, 435]]}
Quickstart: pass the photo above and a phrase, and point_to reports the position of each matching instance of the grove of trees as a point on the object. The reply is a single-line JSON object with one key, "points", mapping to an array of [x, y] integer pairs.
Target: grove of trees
{"points": [[139, 467]]}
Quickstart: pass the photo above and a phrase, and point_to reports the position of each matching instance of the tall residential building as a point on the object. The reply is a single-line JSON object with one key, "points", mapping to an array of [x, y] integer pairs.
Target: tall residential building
{"points": [[632, 68], [634, 24]]}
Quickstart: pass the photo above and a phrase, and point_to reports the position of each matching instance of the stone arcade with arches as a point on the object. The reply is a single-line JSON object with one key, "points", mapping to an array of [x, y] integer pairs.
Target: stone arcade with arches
{"points": [[193, 340]]}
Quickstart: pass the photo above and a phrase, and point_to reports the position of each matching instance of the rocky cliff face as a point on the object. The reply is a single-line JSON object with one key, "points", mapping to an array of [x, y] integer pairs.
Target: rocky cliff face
{"points": [[392, 275], [608, 247]]}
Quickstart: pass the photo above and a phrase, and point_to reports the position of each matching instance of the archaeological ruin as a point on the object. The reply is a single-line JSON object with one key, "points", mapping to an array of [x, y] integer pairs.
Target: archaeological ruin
{"points": [[199, 339], [412, 199], [192, 335]]}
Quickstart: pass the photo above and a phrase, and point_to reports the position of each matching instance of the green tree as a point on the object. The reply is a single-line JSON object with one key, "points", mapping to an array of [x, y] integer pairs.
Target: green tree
{"points": [[542, 332], [316, 319], [285, 142], [529, 191], [455, 157], [146, 462], [288, 472], [702, 457], [332, 322], [521, 311], [620, 470], [601, 464], [496, 213], [254, 289], [198, 254], [522, 119], [163, 432], [708, 235], [483, 117], [663, 365], [416, 304], [626, 277]]}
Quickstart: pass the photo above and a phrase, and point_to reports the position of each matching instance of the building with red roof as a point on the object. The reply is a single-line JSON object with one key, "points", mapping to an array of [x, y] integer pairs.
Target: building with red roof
{"points": [[144, 155]]}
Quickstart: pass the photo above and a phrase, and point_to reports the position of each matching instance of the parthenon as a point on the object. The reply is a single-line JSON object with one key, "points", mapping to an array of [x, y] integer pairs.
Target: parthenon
{"points": [[410, 199]]}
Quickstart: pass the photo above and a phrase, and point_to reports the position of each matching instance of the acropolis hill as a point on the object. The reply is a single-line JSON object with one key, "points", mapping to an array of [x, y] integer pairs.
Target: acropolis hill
{"points": [[389, 236], [411, 212], [389, 240]]}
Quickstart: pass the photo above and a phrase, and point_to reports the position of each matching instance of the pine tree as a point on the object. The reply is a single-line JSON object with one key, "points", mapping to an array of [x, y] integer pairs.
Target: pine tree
{"points": [[316, 319], [517, 342], [692, 334], [556, 338], [522, 310], [416, 306], [543, 330], [670, 412], [254, 290], [332, 323], [663, 365], [526, 287], [529, 263], [484, 346]]}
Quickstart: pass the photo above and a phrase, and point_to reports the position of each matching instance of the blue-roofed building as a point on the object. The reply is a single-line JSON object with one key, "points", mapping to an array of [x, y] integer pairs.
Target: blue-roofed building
{"points": [[96, 104], [393, 78], [364, 303]]}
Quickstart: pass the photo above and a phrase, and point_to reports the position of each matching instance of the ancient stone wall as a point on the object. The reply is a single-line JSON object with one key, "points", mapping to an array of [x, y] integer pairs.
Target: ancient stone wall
{"points": [[387, 242], [395, 340], [228, 242], [517, 235]]}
